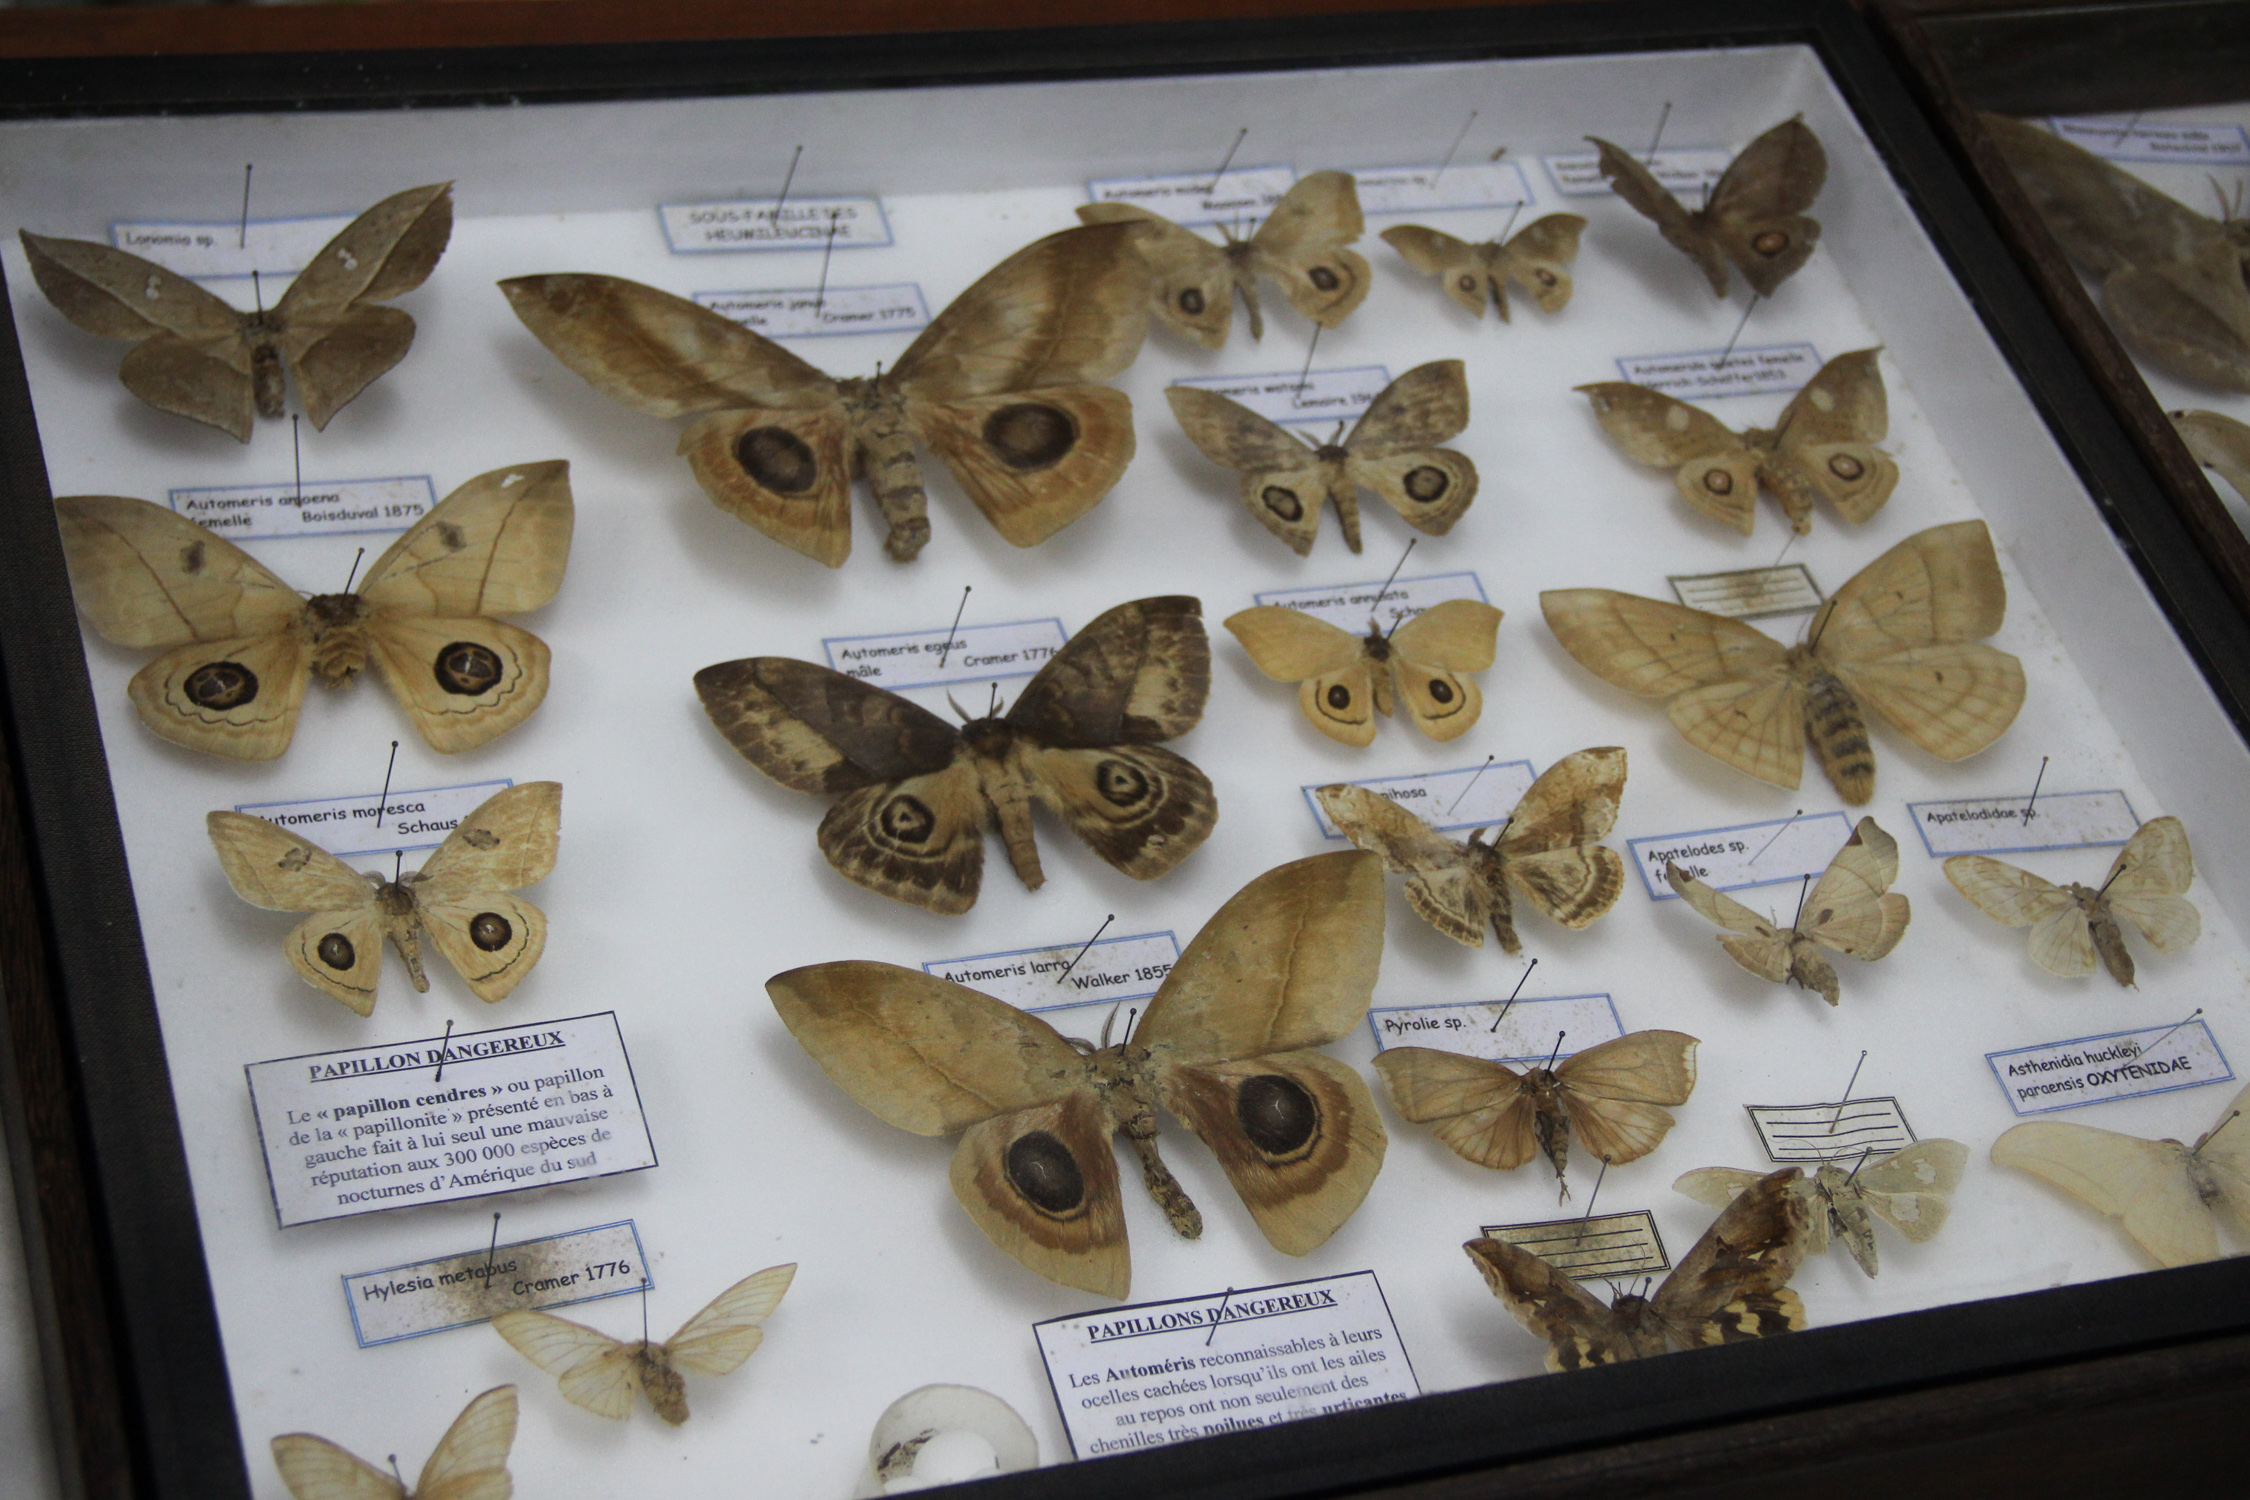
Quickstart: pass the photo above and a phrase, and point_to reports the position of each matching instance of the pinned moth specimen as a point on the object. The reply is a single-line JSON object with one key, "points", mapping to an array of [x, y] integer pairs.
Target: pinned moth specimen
{"points": [[1392, 450], [1823, 445], [1003, 386], [1852, 911], [2175, 284], [918, 792], [1229, 1046], [1907, 1190], [1754, 219], [2219, 443], [1731, 1287], [1537, 259], [1901, 637], [1549, 849], [1344, 680], [2071, 926], [460, 897], [602, 1374], [1487, 1112], [1192, 283], [469, 1463], [240, 645], [2168, 1196], [198, 356]]}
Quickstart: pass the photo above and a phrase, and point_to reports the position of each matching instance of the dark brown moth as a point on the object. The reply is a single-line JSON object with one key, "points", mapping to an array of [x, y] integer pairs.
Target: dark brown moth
{"points": [[917, 792], [1755, 219]]}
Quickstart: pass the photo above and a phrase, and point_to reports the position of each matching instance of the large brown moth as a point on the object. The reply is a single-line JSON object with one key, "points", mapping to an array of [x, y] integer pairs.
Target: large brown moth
{"points": [[462, 897], [1608, 1096], [1192, 283], [2176, 285], [196, 355], [1537, 259], [1345, 680], [1229, 1046], [1852, 911], [1549, 850], [240, 645], [917, 792], [2168, 1197], [1823, 445], [1003, 386], [1901, 637], [1908, 1190], [1393, 450], [2072, 926], [1732, 1286], [469, 1463], [1755, 218], [2219, 443], [602, 1374]]}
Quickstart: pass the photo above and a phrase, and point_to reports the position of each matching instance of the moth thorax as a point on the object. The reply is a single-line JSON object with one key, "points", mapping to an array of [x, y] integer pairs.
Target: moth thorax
{"points": [[988, 738], [339, 649], [395, 898], [1837, 729], [1378, 644], [1238, 253], [1332, 453]]}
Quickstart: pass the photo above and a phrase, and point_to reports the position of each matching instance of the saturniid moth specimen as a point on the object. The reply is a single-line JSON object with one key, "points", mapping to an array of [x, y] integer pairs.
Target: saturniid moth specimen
{"points": [[2167, 1196], [1732, 1286], [1344, 680], [1823, 445], [602, 1374], [1537, 259], [2219, 443], [2071, 926], [1487, 1112], [1393, 450], [1754, 219], [1901, 637], [1004, 386], [1549, 850], [2176, 285], [1852, 911], [1907, 1190], [196, 355], [1192, 283], [461, 897], [469, 1463], [917, 792], [1229, 1046], [239, 644]]}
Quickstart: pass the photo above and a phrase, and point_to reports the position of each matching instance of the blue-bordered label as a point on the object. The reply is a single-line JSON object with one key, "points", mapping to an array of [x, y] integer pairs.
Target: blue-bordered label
{"points": [[218, 249], [408, 818], [2131, 138], [1518, 1031], [1470, 797], [1244, 193], [1688, 173], [2115, 1065], [1743, 854], [476, 1286], [321, 507], [1302, 395], [1436, 189], [939, 658], [1067, 976], [2021, 825], [769, 224], [808, 312], [1349, 606], [1704, 374]]}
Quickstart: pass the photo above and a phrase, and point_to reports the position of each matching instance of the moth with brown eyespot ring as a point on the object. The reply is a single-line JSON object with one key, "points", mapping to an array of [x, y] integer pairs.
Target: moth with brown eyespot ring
{"points": [[1537, 259], [1344, 681], [1755, 217]]}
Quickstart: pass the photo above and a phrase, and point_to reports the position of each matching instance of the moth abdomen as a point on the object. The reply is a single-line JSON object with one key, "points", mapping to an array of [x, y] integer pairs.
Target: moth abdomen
{"points": [[2109, 942], [1838, 730], [886, 452]]}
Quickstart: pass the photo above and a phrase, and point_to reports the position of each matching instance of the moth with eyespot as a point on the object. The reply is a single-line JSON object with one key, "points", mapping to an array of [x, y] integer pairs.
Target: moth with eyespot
{"points": [[1344, 680], [1754, 219], [917, 793], [1230, 1046], [1537, 259]]}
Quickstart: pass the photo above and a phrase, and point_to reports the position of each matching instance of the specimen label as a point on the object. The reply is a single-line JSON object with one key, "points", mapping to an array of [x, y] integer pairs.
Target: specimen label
{"points": [[934, 658], [1501, 1030], [1746, 854], [475, 1286], [1348, 606], [1432, 188], [412, 818], [1243, 194], [271, 247], [1749, 593], [1700, 374], [1302, 395], [1048, 979], [2116, 1065], [818, 312], [1840, 1128], [1471, 797], [1691, 172], [2017, 825], [765, 224], [1623, 1244], [327, 507]]}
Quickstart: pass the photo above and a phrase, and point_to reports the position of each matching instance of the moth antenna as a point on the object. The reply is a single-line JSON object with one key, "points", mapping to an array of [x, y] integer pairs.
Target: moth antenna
{"points": [[1372, 623], [1106, 1021], [957, 708], [354, 573]]}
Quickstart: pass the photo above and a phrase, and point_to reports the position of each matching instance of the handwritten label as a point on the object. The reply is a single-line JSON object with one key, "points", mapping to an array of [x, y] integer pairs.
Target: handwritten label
{"points": [[321, 508], [1727, 859], [1750, 593], [1705, 373], [1818, 1132], [271, 247], [1048, 981], [817, 312], [1430, 189], [1599, 1245], [765, 224], [1129, 1378], [1302, 395], [2016, 825], [2116, 1065], [934, 658], [1689, 173], [1199, 197], [414, 818], [475, 1286], [1472, 797], [445, 1118], [1348, 605], [2139, 140], [1522, 1031]]}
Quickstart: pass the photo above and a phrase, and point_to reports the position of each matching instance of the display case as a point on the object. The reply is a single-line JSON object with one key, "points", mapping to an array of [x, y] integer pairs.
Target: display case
{"points": [[215, 1281]]}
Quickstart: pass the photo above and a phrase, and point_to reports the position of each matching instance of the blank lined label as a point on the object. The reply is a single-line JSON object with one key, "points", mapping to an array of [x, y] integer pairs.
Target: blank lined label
{"points": [[1200, 197], [1815, 1132], [1750, 593], [1704, 373], [1625, 1244], [1302, 395], [818, 312]]}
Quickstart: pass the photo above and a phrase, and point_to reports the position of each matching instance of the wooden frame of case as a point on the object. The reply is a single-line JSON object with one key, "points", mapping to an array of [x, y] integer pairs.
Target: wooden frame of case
{"points": [[2076, 1389]]}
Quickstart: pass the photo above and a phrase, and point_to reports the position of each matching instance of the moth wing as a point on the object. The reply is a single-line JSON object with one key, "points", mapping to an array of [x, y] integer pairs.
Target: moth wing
{"points": [[1301, 246], [1573, 886], [786, 472], [1420, 409], [1041, 1182], [2225, 1154], [148, 577], [1757, 211], [1454, 262], [1549, 849], [2145, 880], [1428, 655], [1752, 1248], [348, 974], [496, 546], [1191, 284], [821, 731], [1638, 186], [919, 840], [471, 1461], [1910, 1188], [1284, 484], [1440, 887], [1033, 461], [1939, 586], [270, 867], [1140, 807], [462, 682], [237, 698], [1538, 258], [1725, 912], [1716, 1187], [315, 1469], [591, 1369], [332, 339], [2062, 940], [1289, 645], [2144, 1184], [1733, 696], [1476, 1107], [1133, 675], [1579, 1331], [1714, 470], [492, 939], [726, 1332], [1069, 309], [1851, 909], [1655, 1066], [2174, 328], [2220, 443], [1827, 436]]}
